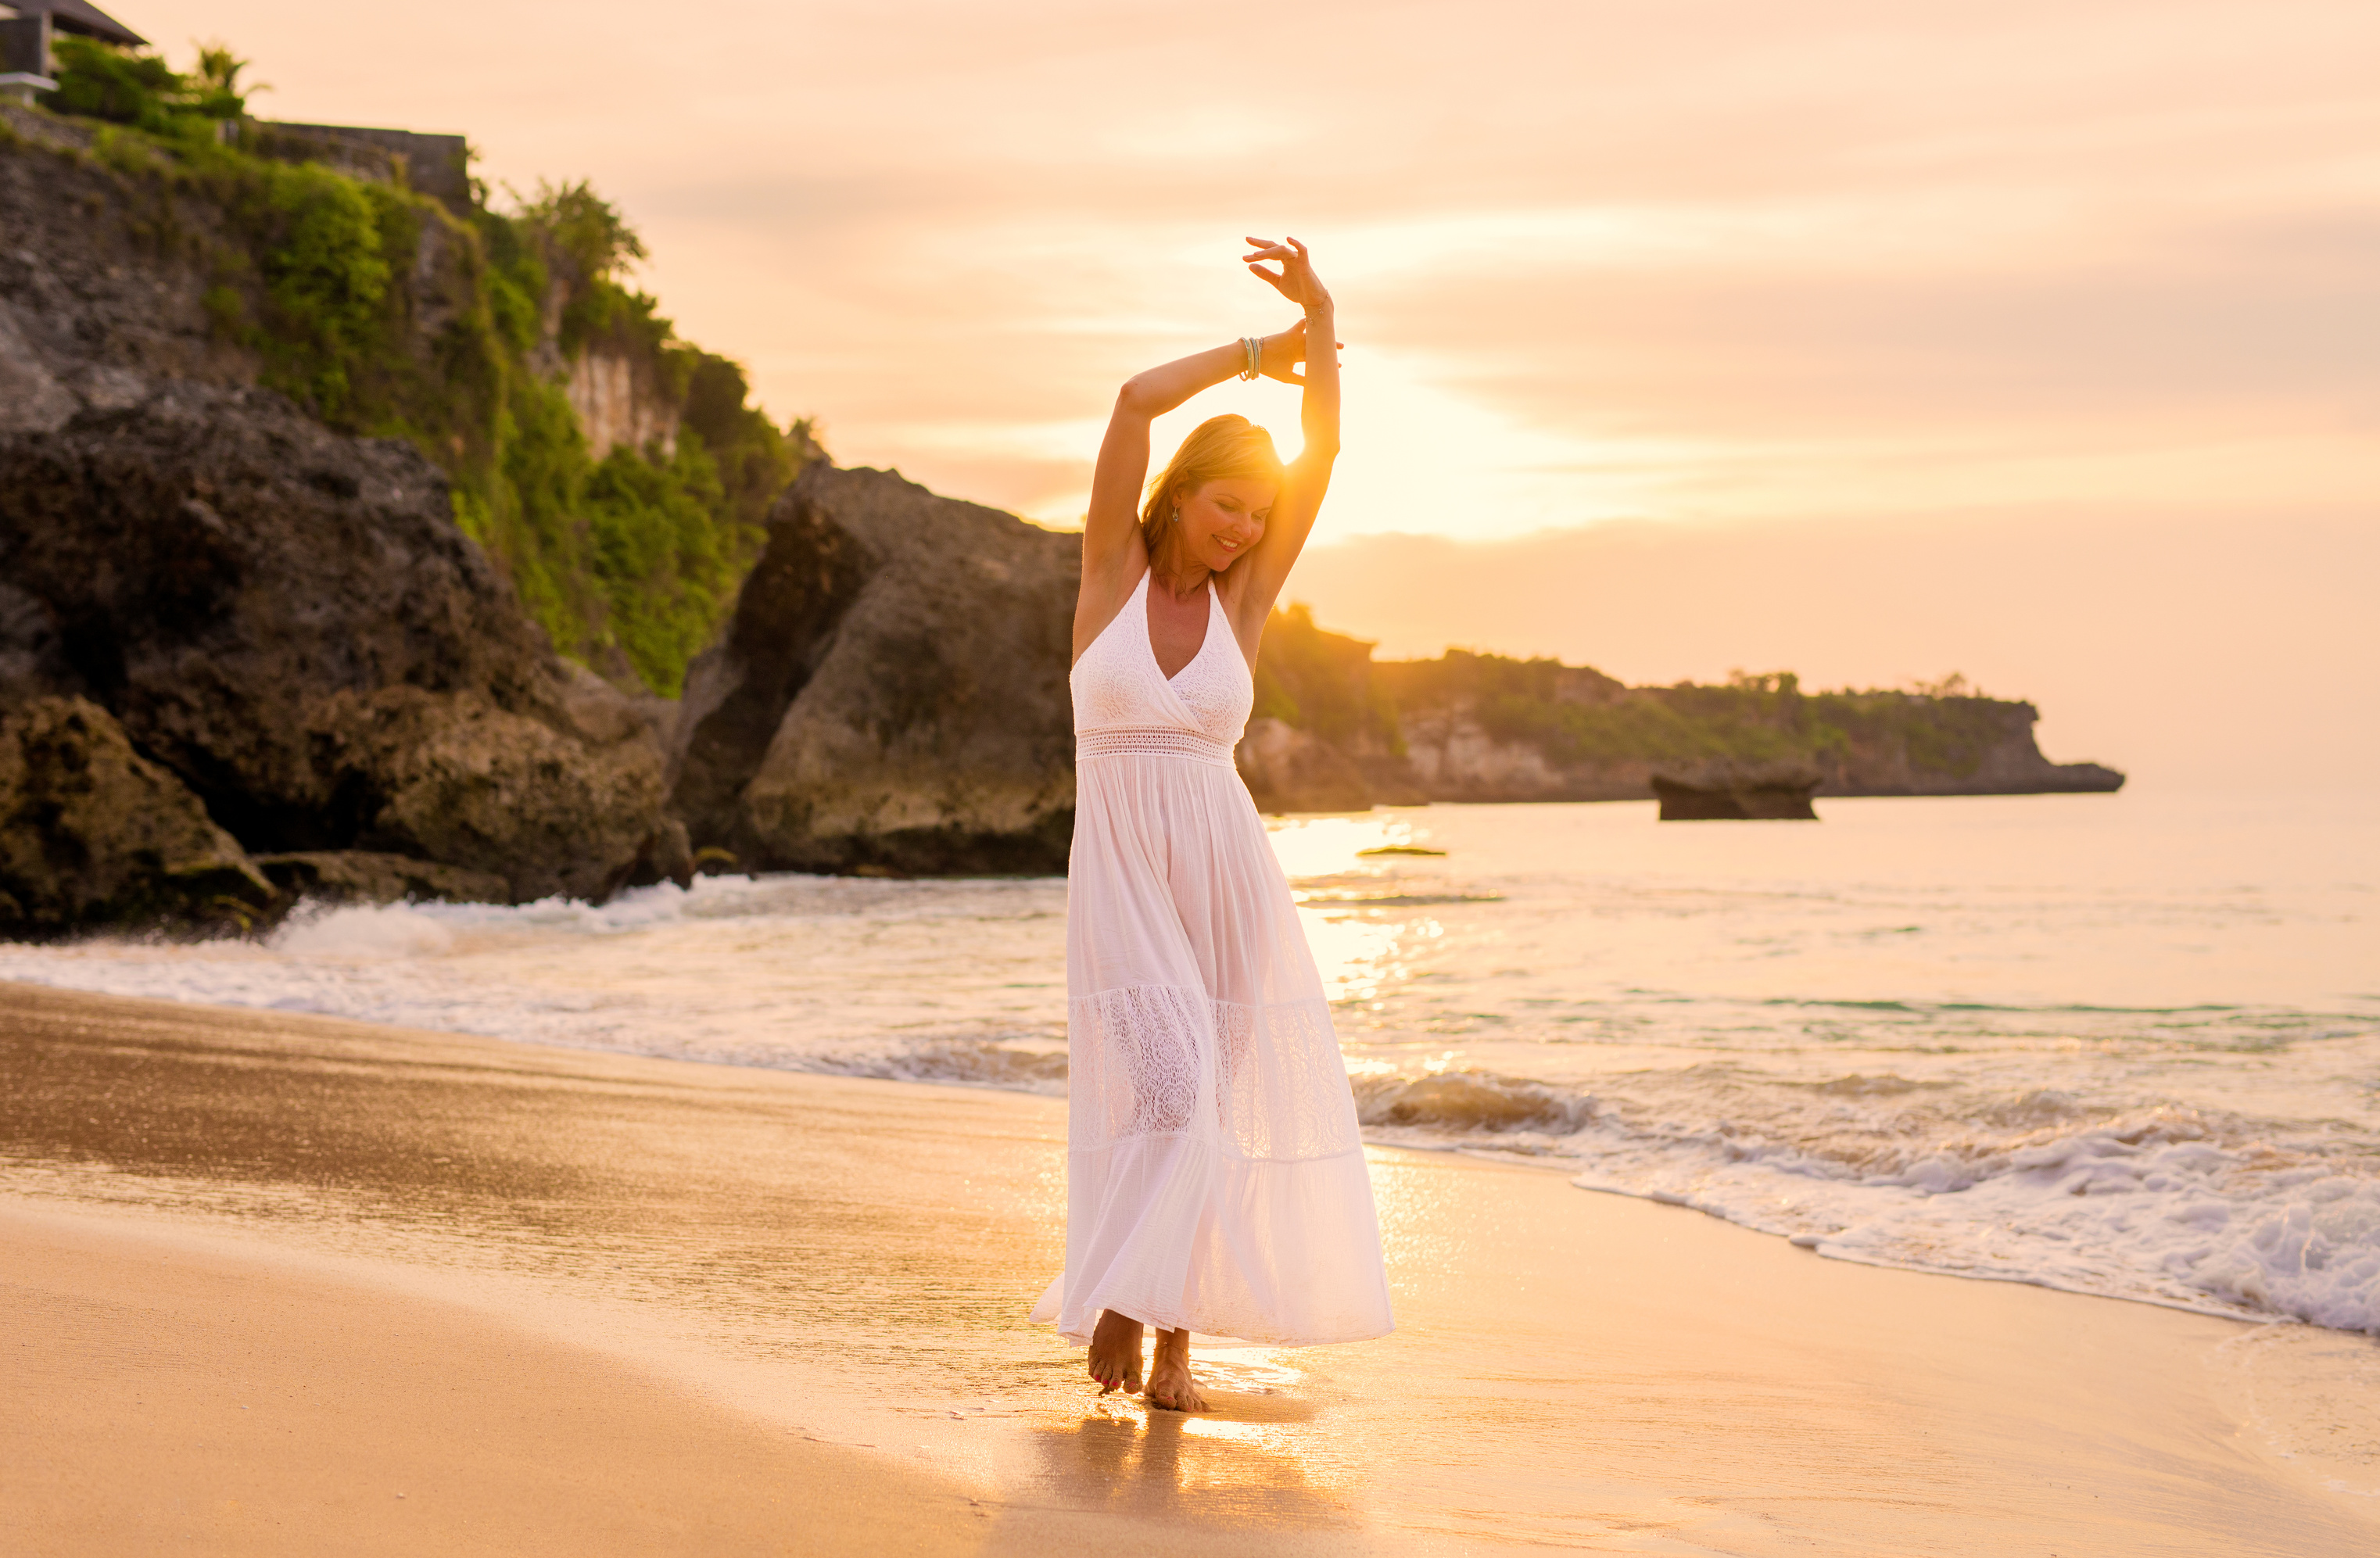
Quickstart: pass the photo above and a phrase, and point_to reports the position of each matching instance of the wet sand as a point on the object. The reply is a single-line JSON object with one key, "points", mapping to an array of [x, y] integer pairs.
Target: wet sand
{"points": [[260, 1273]]}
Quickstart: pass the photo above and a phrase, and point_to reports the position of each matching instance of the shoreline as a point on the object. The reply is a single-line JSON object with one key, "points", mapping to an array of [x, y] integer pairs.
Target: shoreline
{"points": [[779, 1254], [1579, 1169]]}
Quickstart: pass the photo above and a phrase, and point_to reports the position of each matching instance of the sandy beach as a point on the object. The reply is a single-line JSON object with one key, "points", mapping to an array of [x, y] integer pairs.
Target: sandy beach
{"points": [[282, 1284]]}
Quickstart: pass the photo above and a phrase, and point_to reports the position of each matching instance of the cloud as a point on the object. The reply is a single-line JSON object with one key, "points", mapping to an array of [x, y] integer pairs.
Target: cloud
{"points": [[1867, 289], [2187, 646]]}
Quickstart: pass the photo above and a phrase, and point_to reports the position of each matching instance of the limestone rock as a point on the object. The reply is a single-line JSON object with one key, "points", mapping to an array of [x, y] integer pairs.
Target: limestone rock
{"points": [[94, 835], [32, 398], [290, 621], [1455, 758], [618, 404], [363, 876], [891, 692], [99, 293], [1288, 770]]}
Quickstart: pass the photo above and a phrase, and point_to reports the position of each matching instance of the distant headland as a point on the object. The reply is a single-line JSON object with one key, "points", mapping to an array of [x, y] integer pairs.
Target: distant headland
{"points": [[358, 540], [1333, 727]]}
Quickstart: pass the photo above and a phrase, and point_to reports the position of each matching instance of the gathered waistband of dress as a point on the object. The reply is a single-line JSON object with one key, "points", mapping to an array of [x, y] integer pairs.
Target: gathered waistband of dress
{"points": [[1152, 741]]}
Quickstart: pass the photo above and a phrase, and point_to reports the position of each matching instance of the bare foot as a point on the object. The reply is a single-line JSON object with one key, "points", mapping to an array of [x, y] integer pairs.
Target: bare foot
{"points": [[1115, 1352], [1170, 1385]]}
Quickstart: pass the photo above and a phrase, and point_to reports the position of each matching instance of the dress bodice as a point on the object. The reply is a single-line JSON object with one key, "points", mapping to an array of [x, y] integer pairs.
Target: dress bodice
{"points": [[1119, 687]]}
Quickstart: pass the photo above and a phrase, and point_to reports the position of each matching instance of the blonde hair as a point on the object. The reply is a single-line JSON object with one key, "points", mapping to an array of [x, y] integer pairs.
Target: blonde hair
{"points": [[1225, 448]]}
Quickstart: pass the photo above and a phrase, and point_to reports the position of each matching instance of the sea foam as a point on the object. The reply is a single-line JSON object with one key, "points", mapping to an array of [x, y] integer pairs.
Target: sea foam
{"points": [[2210, 1213]]}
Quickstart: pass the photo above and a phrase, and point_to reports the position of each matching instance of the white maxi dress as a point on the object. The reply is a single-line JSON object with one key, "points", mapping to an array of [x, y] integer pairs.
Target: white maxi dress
{"points": [[1215, 1180]]}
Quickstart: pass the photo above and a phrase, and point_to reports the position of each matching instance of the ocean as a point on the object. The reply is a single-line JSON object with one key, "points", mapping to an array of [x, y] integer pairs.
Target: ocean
{"points": [[2125, 1045]]}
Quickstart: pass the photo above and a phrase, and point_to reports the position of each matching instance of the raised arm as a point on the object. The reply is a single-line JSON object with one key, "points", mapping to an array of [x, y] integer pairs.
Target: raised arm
{"points": [[1255, 583], [1112, 553]]}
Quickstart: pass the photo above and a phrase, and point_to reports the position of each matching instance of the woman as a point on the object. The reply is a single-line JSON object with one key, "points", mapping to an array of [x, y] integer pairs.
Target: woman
{"points": [[1215, 1178]]}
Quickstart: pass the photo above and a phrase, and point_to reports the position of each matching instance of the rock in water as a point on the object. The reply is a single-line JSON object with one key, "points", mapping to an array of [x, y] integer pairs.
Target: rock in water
{"points": [[94, 836], [290, 623], [1723, 789], [891, 692]]}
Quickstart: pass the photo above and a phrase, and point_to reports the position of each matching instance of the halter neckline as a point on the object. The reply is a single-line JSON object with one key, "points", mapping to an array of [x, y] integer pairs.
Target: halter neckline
{"points": [[1149, 639]]}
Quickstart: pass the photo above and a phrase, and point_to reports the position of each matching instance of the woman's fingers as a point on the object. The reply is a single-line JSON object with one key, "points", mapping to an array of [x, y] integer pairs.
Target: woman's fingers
{"points": [[1294, 279]]}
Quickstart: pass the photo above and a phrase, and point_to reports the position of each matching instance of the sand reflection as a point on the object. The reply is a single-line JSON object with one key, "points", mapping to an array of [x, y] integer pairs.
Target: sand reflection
{"points": [[1265, 1457], [1234, 1465]]}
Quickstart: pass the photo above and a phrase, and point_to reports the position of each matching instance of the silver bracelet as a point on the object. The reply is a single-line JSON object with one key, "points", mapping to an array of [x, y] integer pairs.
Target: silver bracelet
{"points": [[1252, 348]]}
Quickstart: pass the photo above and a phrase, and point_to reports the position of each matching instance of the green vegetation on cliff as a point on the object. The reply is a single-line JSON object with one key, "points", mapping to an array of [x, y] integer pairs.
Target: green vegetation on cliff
{"points": [[1575, 715], [1750, 719], [1323, 682], [100, 81], [637, 555], [1581, 721], [382, 312]]}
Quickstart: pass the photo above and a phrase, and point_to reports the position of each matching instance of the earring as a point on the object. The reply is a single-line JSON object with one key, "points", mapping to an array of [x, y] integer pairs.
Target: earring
{"points": [[1177, 513]]}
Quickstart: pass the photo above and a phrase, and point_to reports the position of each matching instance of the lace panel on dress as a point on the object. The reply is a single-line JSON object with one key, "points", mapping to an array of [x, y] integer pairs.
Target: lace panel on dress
{"points": [[1136, 1058], [1158, 741], [1133, 1062], [1281, 1090]]}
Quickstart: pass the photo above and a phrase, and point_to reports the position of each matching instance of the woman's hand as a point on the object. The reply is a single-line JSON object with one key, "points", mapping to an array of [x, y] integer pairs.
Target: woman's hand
{"points": [[1281, 353], [1256, 580], [1295, 280]]}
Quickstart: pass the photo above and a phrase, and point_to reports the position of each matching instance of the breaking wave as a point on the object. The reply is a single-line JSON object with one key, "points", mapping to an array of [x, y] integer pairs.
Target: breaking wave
{"points": [[2218, 1213]]}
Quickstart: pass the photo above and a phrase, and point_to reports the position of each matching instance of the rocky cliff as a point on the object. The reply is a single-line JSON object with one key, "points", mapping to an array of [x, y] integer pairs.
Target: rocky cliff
{"points": [[92, 834], [620, 403], [289, 625], [615, 474], [93, 307], [890, 691], [245, 653]]}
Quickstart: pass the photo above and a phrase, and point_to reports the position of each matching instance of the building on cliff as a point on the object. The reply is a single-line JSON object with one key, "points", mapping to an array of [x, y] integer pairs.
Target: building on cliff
{"points": [[436, 165], [26, 67]]}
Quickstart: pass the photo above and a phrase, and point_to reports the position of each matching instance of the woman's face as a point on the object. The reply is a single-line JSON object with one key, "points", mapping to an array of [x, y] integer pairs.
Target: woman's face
{"points": [[1224, 519]]}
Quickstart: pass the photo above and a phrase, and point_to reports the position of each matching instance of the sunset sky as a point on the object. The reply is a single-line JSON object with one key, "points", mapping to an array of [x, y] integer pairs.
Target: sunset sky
{"points": [[2039, 341]]}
